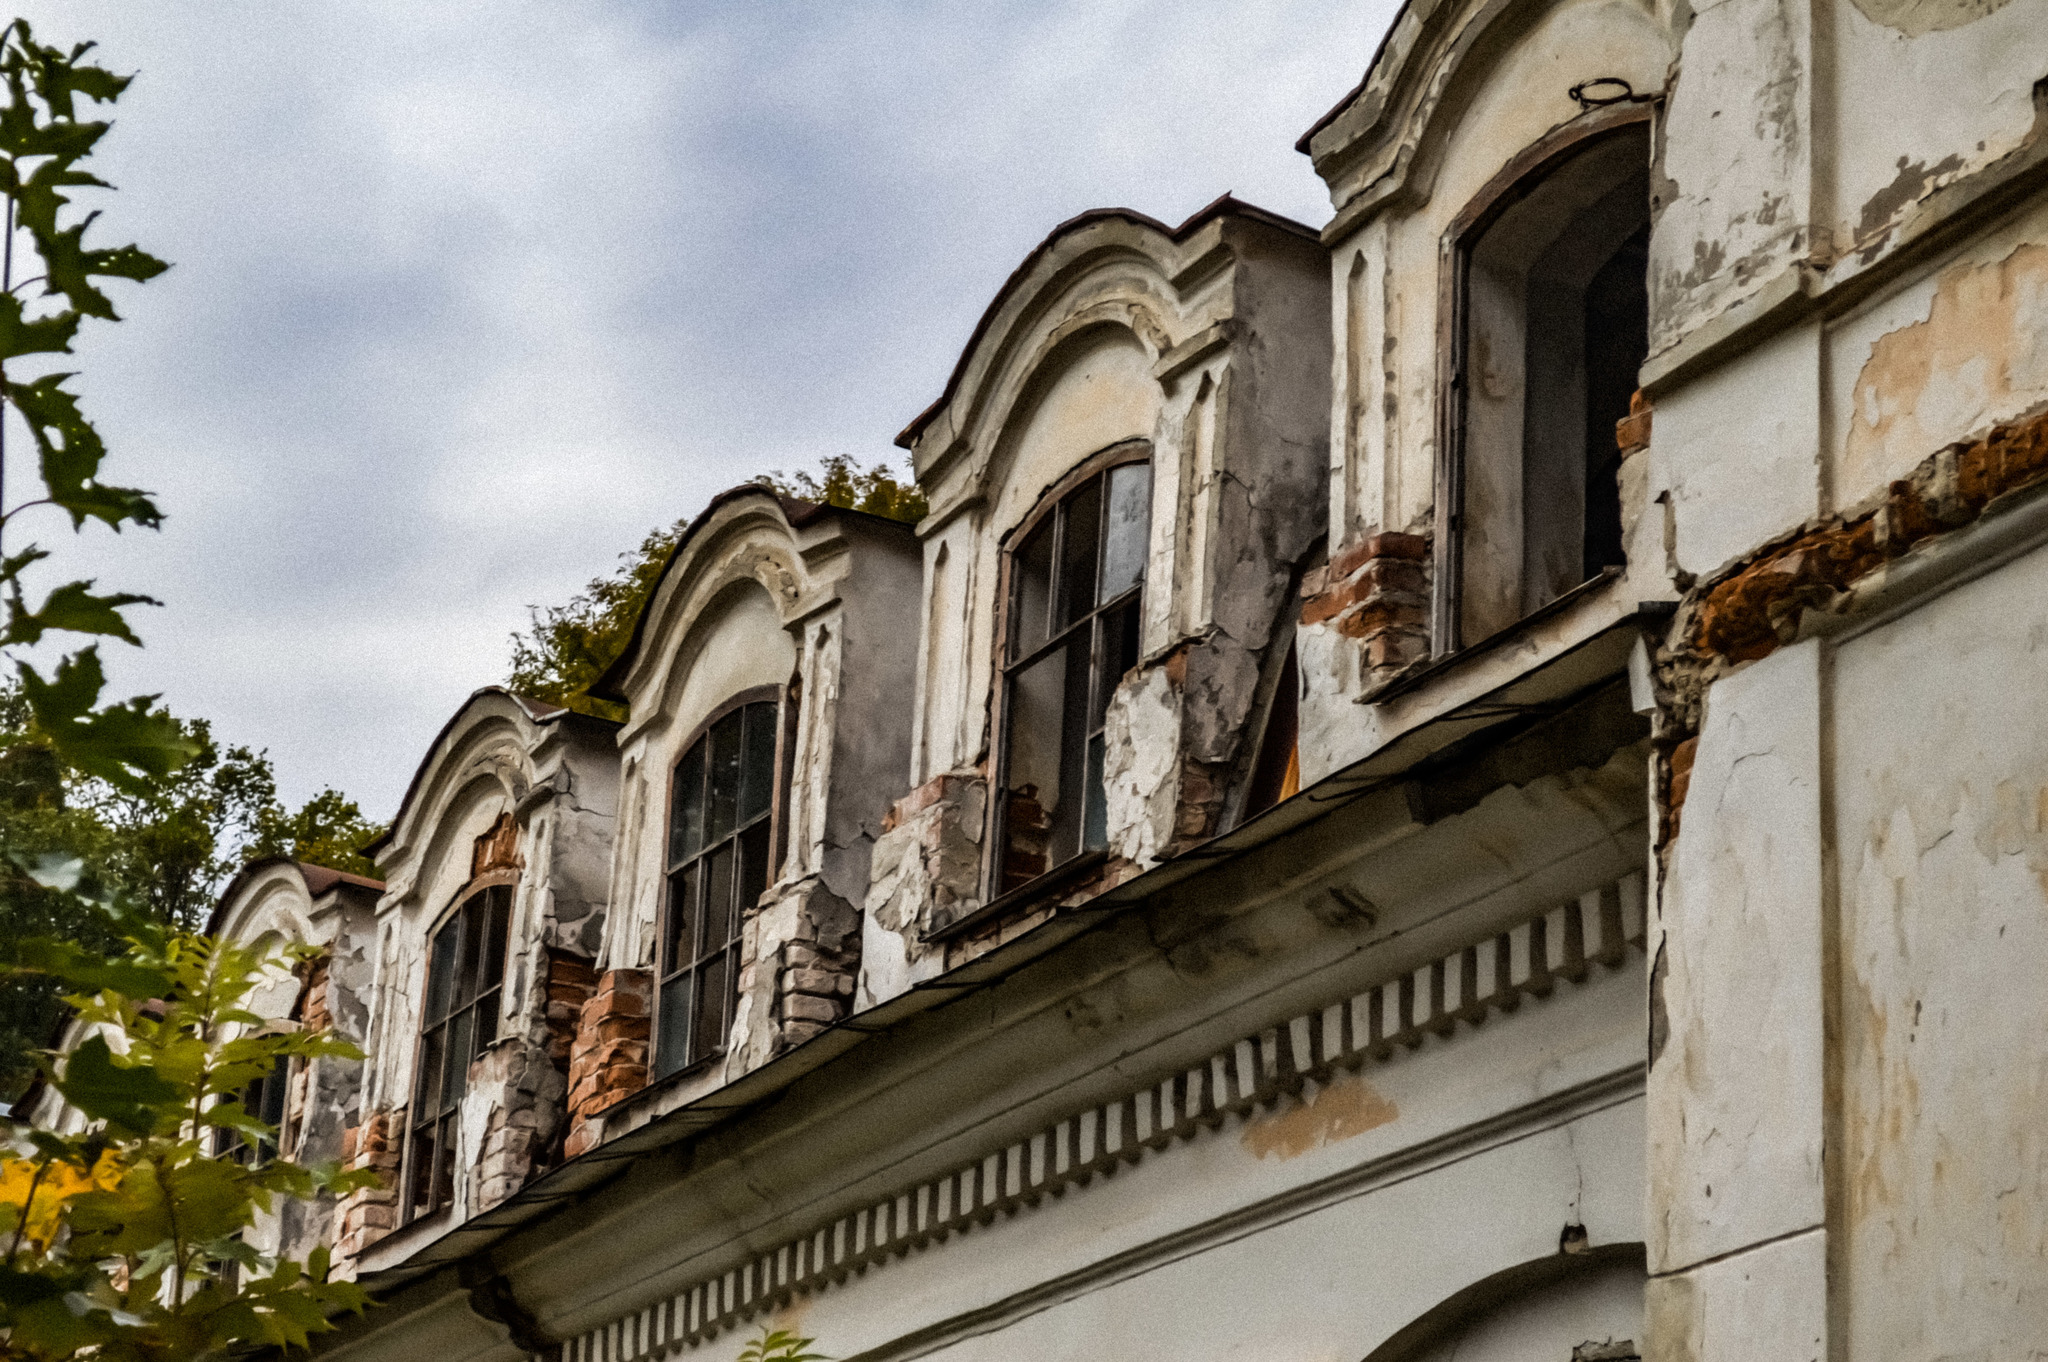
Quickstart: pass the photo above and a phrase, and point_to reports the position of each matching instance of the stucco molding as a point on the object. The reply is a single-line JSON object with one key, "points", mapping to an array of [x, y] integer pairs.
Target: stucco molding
{"points": [[1602, 931]]}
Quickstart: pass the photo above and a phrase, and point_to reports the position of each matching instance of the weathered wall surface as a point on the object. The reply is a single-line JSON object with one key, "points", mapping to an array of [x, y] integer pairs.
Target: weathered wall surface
{"points": [[1941, 1242], [1939, 359]]}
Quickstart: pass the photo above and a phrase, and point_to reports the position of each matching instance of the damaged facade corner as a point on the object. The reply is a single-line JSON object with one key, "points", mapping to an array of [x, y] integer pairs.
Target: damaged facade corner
{"points": [[1481, 759]]}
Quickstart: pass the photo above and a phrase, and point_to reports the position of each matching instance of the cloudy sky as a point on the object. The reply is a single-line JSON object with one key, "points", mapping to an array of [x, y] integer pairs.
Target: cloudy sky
{"points": [[468, 296]]}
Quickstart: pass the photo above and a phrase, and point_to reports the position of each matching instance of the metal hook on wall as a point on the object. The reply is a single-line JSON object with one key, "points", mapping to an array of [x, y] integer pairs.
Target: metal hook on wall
{"points": [[1602, 91]]}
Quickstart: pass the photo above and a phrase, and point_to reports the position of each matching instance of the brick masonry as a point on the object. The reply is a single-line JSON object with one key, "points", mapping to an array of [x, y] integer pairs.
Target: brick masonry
{"points": [[608, 1060], [1375, 590]]}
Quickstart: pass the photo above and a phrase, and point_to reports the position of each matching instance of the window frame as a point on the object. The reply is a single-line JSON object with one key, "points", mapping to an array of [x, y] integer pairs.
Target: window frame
{"points": [[272, 1090], [783, 698], [479, 892], [1522, 175], [996, 831]]}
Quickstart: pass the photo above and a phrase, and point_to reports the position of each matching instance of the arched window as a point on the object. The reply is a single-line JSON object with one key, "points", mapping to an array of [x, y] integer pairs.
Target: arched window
{"points": [[719, 850], [1551, 324], [1075, 576], [458, 1018]]}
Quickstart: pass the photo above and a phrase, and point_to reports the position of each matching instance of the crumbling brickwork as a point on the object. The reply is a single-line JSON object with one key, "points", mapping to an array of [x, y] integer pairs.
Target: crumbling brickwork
{"points": [[1375, 590], [799, 968], [609, 1058], [369, 1213]]}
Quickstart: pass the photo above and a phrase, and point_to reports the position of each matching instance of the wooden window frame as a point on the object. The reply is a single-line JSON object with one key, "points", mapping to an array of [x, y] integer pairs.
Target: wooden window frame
{"points": [[784, 698], [486, 1000], [1523, 173], [996, 833]]}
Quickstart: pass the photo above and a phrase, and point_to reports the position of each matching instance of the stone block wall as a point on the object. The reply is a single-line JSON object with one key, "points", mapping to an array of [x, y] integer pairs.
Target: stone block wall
{"points": [[608, 1060]]}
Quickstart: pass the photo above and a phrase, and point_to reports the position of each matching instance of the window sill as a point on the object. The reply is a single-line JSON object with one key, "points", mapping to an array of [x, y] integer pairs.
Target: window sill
{"points": [[1051, 882]]}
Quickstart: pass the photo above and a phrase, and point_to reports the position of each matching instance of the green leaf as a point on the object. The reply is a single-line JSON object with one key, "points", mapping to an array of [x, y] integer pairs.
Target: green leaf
{"points": [[132, 1099], [124, 745], [72, 452], [21, 334], [74, 608]]}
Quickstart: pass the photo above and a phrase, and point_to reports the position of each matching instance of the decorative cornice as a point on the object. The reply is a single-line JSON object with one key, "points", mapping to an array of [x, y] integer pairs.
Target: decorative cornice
{"points": [[1495, 974]]}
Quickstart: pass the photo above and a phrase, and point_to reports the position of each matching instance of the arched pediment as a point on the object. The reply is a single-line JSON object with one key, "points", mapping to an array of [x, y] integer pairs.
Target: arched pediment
{"points": [[485, 748], [1109, 271], [1493, 72], [747, 551]]}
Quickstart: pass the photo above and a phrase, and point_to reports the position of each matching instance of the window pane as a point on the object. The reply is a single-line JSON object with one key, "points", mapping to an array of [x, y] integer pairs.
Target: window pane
{"points": [[472, 919], [427, 1100], [1078, 548], [441, 970], [1037, 699], [686, 817], [681, 946], [725, 778], [1126, 533], [718, 897], [498, 917], [456, 1079], [421, 1193], [1031, 589], [753, 865], [672, 1045], [757, 762], [274, 1086], [707, 1035], [1076, 723], [486, 1013], [1116, 653], [1095, 828], [444, 1162]]}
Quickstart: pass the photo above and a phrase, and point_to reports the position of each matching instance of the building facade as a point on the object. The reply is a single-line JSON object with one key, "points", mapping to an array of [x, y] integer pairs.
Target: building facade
{"points": [[1469, 782]]}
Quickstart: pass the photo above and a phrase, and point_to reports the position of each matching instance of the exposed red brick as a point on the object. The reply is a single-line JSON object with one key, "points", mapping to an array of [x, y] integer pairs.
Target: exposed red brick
{"points": [[608, 1061], [1752, 611], [1632, 432]]}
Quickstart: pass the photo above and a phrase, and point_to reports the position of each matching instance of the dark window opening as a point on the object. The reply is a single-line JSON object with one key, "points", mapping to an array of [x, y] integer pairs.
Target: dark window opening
{"points": [[718, 867], [1076, 582], [458, 1018], [1553, 321], [264, 1100], [1276, 774]]}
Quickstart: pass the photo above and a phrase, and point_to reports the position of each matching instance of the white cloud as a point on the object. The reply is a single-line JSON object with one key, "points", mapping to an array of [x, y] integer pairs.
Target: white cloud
{"points": [[468, 297]]}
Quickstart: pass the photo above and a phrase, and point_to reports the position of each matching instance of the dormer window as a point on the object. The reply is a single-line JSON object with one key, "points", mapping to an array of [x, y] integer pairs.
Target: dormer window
{"points": [[458, 1018], [719, 849], [1075, 577], [1551, 310]]}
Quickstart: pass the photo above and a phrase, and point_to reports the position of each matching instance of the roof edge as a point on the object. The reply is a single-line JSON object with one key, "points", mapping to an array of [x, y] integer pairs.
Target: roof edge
{"points": [[1222, 205]]}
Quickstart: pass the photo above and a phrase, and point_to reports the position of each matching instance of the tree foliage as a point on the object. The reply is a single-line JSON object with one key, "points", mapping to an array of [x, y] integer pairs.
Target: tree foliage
{"points": [[167, 844], [125, 1243], [565, 648], [44, 138]]}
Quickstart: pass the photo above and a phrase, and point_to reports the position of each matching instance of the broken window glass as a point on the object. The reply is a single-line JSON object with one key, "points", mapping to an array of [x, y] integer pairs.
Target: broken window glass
{"points": [[1076, 580], [719, 854]]}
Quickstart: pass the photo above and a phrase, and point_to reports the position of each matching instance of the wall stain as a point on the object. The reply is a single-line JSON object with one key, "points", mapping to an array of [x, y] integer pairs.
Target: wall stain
{"points": [[1978, 356], [1348, 1106], [1915, 17]]}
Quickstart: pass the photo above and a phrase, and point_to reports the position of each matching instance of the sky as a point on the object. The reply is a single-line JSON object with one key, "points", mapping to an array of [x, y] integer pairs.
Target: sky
{"points": [[467, 297]]}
